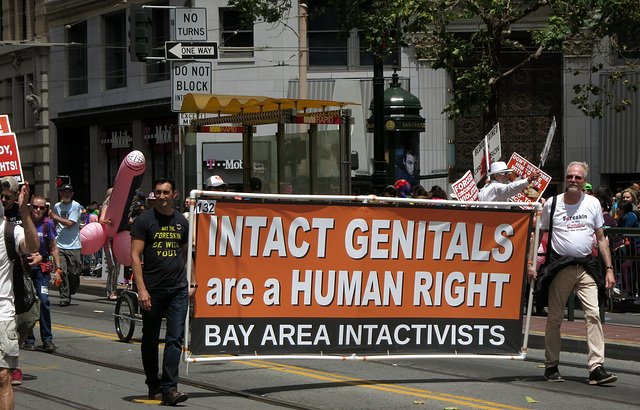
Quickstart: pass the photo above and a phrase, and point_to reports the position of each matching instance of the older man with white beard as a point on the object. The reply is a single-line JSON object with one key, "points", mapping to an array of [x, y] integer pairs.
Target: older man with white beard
{"points": [[575, 217]]}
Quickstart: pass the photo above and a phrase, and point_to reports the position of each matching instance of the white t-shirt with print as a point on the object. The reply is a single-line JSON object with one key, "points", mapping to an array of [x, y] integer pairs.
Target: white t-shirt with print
{"points": [[573, 225], [7, 309]]}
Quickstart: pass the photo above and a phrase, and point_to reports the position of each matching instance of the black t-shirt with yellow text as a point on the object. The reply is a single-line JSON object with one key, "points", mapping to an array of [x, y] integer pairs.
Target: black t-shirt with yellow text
{"points": [[163, 236]]}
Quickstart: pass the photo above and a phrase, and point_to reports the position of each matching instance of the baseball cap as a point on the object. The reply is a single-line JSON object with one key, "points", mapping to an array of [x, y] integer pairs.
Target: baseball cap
{"points": [[587, 186], [214, 181], [10, 183], [151, 196], [66, 186]]}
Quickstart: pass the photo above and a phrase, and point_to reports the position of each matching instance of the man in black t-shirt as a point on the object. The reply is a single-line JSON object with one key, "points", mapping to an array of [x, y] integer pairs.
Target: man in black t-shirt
{"points": [[160, 235]]}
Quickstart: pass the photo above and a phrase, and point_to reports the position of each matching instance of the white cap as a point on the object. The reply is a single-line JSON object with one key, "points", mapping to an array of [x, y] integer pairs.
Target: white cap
{"points": [[10, 183], [214, 181]]}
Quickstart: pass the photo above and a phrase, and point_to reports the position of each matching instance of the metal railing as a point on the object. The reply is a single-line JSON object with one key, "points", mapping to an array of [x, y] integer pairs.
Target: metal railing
{"points": [[624, 244]]}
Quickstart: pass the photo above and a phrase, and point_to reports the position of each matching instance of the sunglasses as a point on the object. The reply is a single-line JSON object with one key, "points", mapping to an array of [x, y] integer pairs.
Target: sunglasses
{"points": [[576, 177], [39, 207], [7, 197]]}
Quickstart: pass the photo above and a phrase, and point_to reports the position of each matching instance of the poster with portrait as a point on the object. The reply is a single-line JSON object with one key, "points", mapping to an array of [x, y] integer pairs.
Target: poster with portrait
{"points": [[407, 159]]}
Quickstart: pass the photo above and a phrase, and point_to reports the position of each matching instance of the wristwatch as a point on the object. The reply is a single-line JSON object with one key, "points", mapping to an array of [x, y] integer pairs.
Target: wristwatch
{"points": [[609, 267], [194, 285]]}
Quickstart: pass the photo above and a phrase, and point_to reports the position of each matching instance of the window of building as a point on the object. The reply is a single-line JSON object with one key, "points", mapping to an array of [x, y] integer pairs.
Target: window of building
{"points": [[326, 46], [329, 48], [117, 140], [235, 35], [77, 58], [116, 52], [160, 135], [159, 70]]}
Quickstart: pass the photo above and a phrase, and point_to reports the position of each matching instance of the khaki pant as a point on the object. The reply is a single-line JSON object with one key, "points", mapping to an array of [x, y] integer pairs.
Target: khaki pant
{"points": [[574, 278]]}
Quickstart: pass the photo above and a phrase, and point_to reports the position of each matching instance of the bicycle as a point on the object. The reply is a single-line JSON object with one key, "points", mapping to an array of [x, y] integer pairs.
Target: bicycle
{"points": [[127, 313]]}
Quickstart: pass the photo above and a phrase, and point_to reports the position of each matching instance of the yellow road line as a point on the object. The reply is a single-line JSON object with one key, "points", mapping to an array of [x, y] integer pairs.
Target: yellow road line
{"points": [[449, 398], [332, 377]]}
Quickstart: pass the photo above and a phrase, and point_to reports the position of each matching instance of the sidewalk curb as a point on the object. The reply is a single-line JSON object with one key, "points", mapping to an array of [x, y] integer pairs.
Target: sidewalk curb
{"points": [[620, 351]]}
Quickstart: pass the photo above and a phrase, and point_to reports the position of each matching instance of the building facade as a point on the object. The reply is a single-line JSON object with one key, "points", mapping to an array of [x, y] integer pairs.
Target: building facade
{"points": [[24, 87], [79, 103]]}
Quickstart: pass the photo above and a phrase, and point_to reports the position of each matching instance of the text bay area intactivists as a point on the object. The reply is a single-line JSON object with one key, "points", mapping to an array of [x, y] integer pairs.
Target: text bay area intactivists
{"points": [[291, 278]]}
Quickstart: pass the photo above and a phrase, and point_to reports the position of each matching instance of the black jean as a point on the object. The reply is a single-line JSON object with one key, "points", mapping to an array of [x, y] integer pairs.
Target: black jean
{"points": [[173, 304]]}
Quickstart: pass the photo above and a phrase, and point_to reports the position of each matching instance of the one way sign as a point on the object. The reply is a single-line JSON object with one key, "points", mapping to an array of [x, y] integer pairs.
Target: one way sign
{"points": [[182, 50]]}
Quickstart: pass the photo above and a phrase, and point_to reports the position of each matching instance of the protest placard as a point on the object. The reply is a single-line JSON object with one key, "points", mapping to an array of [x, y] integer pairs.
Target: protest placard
{"points": [[523, 168], [465, 188], [9, 155], [547, 145], [482, 160]]}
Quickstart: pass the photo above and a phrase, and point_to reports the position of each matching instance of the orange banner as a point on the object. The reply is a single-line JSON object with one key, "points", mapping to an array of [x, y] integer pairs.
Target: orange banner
{"points": [[293, 260], [300, 277]]}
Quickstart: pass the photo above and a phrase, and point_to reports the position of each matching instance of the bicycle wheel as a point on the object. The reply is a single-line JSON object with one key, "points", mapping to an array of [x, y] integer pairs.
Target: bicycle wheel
{"points": [[125, 325]]}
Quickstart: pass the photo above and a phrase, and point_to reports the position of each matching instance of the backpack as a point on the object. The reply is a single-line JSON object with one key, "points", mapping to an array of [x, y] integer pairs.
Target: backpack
{"points": [[24, 292]]}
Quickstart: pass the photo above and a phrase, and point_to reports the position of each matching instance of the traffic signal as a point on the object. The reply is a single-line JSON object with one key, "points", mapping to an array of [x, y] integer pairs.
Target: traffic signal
{"points": [[139, 33], [62, 180]]}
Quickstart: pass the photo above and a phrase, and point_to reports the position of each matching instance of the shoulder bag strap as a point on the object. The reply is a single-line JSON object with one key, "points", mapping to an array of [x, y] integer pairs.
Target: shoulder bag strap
{"points": [[9, 240], [549, 238]]}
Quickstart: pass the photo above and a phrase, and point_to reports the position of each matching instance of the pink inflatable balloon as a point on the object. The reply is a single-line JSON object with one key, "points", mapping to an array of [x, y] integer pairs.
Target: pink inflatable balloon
{"points": [[122, 247], [92, 237]]}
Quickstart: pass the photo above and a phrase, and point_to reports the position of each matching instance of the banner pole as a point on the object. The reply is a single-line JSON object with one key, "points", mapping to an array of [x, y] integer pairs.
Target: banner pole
{"points": [[192, 202], [535, 244]]}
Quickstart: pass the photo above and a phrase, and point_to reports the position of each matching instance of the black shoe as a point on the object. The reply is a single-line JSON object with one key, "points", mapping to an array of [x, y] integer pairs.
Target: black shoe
{"points": [[155, 393], [600, 376], [552, 374], [173, 397], [29, 346], [64, 303], [48, 346]]}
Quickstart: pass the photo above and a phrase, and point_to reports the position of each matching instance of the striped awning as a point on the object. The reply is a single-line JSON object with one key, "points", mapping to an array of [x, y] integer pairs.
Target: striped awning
{"points": [[239, 104]]}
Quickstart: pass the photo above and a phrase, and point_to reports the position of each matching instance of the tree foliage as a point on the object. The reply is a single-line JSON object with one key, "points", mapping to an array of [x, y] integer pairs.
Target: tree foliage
{"points": [[471, 39]]}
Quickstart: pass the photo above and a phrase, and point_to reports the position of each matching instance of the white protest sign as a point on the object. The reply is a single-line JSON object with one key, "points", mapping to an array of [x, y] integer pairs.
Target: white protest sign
{"points": [[547, 144], [481, 160]]}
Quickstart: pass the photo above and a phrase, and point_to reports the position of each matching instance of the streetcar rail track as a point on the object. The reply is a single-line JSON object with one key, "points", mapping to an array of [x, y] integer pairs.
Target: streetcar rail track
{"points": [[188, 382], [53, 399]]}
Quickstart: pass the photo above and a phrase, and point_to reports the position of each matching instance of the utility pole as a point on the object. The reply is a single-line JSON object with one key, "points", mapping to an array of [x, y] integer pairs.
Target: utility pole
{"points": [[379, 177], [302, 51]]}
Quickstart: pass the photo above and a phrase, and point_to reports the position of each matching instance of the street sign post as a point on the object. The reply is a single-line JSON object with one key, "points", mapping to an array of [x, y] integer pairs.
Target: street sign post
{"points": [[190, 24], [184, 50], [189, 77]]}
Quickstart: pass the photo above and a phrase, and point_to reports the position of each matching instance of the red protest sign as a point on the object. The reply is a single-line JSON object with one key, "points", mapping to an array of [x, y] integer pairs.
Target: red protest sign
{"points": [[465, 188], [523, 169], [5, 127], [10, 157]]}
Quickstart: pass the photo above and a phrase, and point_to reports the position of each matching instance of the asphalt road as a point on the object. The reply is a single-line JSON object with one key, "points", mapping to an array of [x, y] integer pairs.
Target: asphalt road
{"points": [[85, 373]]}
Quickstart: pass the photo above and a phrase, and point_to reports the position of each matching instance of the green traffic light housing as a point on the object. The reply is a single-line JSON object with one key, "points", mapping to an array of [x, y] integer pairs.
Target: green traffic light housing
{"points": [[139, 33]]}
